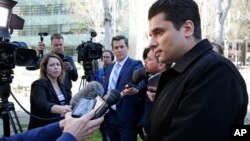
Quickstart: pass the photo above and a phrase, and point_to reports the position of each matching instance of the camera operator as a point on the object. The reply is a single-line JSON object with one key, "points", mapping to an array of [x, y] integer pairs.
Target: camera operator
{"points": [[57, 44]]}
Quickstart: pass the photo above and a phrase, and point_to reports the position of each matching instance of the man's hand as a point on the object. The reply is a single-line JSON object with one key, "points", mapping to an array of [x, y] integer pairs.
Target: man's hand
{"points": [[61, 109], [83, 127], [67, 66], [41, 46], [151, 92], [129, 91]]}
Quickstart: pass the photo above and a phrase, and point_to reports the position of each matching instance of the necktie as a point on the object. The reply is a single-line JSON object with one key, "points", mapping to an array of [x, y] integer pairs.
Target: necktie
{"points": [[113, 81], [114, 77]]}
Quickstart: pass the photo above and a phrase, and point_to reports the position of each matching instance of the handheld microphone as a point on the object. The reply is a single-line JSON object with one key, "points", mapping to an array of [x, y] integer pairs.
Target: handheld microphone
{"points": [[113, 96], [138, 75], [89, 91]]}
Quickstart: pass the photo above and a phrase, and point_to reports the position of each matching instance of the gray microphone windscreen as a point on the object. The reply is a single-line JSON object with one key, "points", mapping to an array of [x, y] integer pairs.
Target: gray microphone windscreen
{"points": [[89, 91]]}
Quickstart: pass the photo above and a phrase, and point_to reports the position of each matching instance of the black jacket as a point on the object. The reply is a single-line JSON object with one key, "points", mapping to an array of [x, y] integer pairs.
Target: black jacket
{"points": [[198, 98], [70, 75], [42, 98]]}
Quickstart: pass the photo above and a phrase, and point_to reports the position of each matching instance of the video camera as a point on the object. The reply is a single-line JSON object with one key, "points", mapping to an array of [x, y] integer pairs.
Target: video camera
{"points": [[11, 53], [87, 53]]}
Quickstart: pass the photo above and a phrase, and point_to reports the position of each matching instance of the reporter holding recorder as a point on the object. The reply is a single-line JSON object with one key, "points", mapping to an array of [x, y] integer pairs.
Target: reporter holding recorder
{"points": [[49, 98], [69, 129]]}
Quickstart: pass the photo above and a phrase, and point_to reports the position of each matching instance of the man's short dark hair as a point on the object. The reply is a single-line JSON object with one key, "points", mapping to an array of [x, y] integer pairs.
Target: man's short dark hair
{"points": [[56, 36], [178, 12], [145, 53], [118, 38]]}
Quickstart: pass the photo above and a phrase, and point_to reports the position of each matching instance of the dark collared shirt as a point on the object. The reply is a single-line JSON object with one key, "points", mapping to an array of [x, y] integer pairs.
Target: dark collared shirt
{"points": [[198, 98]]}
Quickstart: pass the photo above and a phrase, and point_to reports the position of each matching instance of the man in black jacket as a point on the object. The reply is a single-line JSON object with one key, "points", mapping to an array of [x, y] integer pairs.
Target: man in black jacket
{"points": [[203, 94]]}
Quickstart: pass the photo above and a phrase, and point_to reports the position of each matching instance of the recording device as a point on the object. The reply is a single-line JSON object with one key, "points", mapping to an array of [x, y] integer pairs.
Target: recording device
{"points": [[83, 107], [113, 96], [138, 75], [62, 56], [89, 98], [89, 91], [153, 80], [87, 52]]}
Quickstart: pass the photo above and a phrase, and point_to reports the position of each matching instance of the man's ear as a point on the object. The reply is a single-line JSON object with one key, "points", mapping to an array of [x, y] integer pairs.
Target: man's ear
{"points": [[188, 28]]}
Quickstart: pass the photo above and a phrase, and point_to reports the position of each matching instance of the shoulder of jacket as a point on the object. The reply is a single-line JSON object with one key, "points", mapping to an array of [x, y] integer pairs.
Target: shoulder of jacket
{"points": [[43, 82]]}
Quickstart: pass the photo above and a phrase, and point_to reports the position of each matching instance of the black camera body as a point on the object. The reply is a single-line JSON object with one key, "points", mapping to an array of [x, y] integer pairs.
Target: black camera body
{"points": [[15, 53], [12, 54], [88, 53]]}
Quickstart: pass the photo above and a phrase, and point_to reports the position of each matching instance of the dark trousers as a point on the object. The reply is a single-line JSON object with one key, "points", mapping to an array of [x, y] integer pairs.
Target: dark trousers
{"points": [[121, 134], [104, 133]]}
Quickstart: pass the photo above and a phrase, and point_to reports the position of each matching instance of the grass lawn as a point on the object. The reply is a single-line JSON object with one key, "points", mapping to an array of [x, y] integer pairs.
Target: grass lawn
{"points": [[95, 137]]}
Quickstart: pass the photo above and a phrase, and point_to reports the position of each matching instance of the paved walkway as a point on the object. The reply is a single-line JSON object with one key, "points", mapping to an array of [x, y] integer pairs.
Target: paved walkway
{"points": [[22, 94]]}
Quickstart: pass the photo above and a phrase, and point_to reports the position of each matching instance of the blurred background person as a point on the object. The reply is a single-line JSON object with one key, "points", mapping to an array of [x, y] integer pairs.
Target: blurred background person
{"points": [[107, 58], [49, 98], [152, 67], [57, 45]]}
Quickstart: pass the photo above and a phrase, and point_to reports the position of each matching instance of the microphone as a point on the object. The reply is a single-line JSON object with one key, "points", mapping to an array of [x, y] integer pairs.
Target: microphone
{"points": [[138, 75], [113, 96], [89, 91]]}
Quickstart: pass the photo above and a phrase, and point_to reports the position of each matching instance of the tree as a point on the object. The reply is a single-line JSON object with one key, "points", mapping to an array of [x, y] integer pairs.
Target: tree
{"points": [[107, 24], [220, 20], [88, 14]]}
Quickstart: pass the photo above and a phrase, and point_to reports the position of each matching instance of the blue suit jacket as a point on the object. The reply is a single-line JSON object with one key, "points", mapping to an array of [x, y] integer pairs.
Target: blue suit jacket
{"points": [[50, 132], [125, 115]]}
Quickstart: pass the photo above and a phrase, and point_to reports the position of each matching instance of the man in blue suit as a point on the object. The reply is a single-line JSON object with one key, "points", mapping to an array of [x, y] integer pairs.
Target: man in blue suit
{"points": [[122, 118]]}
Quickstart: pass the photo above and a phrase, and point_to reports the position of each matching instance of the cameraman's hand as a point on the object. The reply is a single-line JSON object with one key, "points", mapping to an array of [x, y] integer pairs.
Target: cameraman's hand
{"points": [[67, 66], [41, 46], [83, 127]]}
